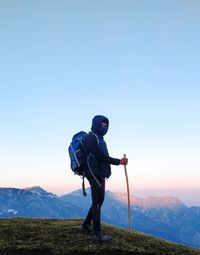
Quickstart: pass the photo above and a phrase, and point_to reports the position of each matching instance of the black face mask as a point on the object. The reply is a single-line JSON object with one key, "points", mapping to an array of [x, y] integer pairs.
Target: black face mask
{"points": [[103, 130]]}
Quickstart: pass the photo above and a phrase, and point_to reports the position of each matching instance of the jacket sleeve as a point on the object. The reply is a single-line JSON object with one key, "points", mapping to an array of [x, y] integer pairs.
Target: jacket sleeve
{"points": [[92, 146]]}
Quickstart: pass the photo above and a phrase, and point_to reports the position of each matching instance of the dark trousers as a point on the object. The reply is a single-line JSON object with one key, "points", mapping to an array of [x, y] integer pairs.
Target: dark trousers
{"points": [[98, 194]]}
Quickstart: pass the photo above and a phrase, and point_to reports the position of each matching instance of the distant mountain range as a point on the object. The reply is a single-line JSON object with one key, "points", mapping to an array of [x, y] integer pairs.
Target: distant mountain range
{"points": [[165, 217]]}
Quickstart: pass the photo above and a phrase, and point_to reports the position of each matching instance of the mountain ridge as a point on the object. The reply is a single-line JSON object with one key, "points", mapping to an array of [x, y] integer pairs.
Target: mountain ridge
{"points": [[150, 201]]}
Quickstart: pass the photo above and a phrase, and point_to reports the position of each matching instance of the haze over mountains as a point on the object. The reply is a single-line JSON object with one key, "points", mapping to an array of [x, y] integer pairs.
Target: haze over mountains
{"points": [[166, 217]]}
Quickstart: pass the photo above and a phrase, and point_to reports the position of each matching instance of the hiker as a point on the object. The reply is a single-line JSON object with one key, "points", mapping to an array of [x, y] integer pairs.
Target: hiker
{"points": [[97, 169]]}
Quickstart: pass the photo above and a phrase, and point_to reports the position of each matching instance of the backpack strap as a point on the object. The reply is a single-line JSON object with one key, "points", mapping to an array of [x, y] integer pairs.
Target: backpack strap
{"points": [[83, 185], [96, 137], [93, 175]]}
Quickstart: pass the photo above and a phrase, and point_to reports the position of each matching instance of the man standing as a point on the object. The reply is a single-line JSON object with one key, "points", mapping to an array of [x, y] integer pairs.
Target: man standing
{"points": [[97, 169]]}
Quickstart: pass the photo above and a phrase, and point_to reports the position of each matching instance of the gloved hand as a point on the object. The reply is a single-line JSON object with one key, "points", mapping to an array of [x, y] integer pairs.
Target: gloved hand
{"points": [[124, 161]]}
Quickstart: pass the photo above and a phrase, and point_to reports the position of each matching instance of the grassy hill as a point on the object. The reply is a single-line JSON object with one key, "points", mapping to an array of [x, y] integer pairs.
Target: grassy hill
{"points": [[56, 236]]}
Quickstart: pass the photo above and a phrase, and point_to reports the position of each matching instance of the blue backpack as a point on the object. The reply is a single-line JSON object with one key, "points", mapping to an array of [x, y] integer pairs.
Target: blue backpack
{"points": [[78, 155]]}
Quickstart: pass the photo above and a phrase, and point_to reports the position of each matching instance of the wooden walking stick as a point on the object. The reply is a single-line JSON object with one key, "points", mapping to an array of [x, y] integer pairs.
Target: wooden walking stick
{"points": [[128, 195]]}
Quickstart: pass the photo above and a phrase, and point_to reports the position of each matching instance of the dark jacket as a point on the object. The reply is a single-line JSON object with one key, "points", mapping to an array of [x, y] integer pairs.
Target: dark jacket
{"points": [[98, 161]]}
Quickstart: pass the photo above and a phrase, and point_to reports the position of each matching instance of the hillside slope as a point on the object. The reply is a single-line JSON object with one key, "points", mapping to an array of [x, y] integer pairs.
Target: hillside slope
{"points": [[57, 236]]}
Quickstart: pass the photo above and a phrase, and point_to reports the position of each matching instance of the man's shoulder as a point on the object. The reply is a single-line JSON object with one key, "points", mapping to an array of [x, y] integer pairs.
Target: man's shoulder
{"points": [[91, 137]]}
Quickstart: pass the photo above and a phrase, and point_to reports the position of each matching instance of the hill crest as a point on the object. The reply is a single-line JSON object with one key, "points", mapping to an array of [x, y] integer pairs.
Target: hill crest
{"points": [[63, 237]]}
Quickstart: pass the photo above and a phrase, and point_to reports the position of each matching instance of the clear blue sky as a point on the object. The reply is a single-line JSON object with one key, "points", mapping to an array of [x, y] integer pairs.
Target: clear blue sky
{"points": [[137, 62]]}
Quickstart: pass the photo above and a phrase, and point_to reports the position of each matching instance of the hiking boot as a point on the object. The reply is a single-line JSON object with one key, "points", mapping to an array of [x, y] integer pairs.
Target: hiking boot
{"points": [[99, 236], [87, 229]]}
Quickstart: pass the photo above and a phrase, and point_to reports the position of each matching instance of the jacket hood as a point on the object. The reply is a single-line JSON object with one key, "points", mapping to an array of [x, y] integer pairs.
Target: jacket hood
{"points": [[96, 125]]}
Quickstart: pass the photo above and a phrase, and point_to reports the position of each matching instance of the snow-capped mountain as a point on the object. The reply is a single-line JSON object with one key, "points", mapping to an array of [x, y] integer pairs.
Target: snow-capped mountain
{"points": [[33, 202]]}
